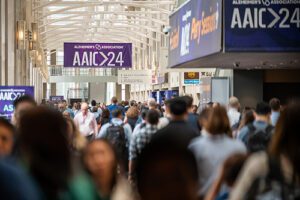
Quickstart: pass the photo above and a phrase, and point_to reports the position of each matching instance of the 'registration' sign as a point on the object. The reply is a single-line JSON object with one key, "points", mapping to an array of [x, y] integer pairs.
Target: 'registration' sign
{"points": [[262, 25], [191, 78], [196, 31], [8, 94], [106, 55], [134, 76]]}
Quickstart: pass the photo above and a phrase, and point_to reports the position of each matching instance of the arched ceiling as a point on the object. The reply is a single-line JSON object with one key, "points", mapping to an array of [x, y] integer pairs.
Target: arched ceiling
{"points": [[137, 21]]}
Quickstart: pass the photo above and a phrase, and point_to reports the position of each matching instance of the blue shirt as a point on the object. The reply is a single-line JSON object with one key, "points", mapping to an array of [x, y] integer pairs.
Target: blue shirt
{"points": [[193, 122], [116, 122], [114, 107], [274, 117], [259, 125]]}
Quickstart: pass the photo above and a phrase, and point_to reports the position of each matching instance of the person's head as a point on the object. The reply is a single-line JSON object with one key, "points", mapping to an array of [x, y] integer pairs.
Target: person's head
{"points": [[218, 122], [286, 138], [144, 113], [93, 103], [114, 100], [275, 104], [132, 113], [152, 103], [234, 102], [44, 147], [232, 167], [263, 111], [78, 106], [61, 107], [117, 114], [132, 103], [173, 175], [195, 109], [84, 108], [247, 117], [7, 134], [189, 102], [152, 117], [100, 161], [74, 105], [178, 108], [105, 113], [22, 105], [126, 103], [203, 117]]}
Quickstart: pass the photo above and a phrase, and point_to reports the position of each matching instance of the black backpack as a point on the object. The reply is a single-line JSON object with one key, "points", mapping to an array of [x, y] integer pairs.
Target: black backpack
{"points": [[273, 186], [258, 140], [116, 136]]}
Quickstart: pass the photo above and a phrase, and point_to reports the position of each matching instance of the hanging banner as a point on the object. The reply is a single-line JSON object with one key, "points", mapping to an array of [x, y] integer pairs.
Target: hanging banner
{"points": [[196, 31], [56, 98], [262, 25], [8, 94], [106, 55], [134, 76]]}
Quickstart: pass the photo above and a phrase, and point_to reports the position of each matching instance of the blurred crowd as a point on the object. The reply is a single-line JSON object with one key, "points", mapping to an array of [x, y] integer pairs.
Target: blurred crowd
{"points": [[145, 151]]}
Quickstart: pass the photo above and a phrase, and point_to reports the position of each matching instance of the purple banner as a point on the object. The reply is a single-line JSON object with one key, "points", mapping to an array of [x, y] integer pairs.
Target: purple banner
{"points": [[110, 55], [7, 96], [56, 98]]}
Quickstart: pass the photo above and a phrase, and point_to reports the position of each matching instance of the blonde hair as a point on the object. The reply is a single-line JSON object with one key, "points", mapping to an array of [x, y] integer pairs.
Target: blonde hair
{"points": [[132, 112]]}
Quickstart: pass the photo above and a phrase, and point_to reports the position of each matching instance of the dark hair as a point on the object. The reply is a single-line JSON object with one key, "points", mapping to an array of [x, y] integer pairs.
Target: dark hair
{"points": [[166, 149], [218, 122], [247, 117], [105, 113], [144, 113], [93, 103], [114, 100], [153, 117], [275, 104], [178, 106], [44, 145], [232, 167], [109, 145], [126, 103], [116, 113], [286, 137], [132, 103], [189, 101], [25, 98], [263, 108], [210, 104], [5, 123]]}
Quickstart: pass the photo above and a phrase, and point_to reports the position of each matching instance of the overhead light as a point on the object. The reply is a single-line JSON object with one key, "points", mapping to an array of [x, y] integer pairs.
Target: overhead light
{"points": [[21, 28]]}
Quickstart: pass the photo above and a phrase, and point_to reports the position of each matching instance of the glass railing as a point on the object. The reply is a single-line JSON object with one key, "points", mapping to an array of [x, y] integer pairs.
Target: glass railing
{"points": [[63, 71]]}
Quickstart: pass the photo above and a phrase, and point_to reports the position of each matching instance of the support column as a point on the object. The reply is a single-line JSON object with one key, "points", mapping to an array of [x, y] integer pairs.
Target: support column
{"points": [[127, 92], [10, 37], [44, 90], [97, 92], [53, 63], [119, 92]]}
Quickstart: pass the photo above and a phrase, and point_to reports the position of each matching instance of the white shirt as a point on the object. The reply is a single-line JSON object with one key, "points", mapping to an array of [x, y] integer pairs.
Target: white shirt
{"points": [[234, 116], [87, 124]]}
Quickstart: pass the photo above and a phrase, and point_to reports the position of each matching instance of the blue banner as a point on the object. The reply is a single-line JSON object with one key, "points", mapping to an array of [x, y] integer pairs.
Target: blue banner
{"points": [[196, 31], [56, 98], [8, 94], [262, 25]]}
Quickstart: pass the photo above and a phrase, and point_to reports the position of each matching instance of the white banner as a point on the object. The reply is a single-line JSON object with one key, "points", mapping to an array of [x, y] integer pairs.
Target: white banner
{"points": [[134, 76]]}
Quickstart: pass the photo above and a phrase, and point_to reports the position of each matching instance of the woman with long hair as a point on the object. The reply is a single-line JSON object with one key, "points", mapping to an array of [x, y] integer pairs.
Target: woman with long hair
{"points": [[100, 161]]}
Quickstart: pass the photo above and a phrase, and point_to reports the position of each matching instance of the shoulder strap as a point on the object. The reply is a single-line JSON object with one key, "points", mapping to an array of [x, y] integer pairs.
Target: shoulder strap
{"points": [[251, 127]]}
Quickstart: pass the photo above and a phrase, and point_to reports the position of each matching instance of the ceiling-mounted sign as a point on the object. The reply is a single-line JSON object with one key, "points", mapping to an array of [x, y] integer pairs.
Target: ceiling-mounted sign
{"points": [[56, 98], [8, 94], [134, 76], [262, 25], [196, 31], [108, 55], [191, 78]]}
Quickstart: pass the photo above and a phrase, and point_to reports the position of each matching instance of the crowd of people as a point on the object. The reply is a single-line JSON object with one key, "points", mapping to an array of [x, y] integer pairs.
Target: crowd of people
{"points": [[145, 151]]}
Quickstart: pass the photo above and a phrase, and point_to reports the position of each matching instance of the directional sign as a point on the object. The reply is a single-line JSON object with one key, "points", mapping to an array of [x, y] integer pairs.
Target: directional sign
{"points": [[110, 55]]}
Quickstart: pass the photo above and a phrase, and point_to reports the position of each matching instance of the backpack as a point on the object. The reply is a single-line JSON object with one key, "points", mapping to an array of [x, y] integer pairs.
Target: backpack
{"points": [[116, 136], [258, 140], [273, 186]]}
